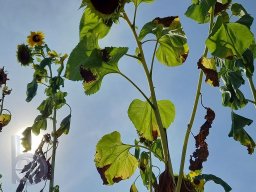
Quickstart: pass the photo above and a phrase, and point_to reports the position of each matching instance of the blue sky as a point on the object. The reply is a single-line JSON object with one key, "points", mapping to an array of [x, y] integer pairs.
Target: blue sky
{"points": [[99, 114]]}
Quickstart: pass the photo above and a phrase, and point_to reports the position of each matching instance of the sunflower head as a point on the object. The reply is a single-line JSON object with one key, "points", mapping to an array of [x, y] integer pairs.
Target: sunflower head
{"points": [[108, 10], [3, 77], [35, 39], [24, 55]]}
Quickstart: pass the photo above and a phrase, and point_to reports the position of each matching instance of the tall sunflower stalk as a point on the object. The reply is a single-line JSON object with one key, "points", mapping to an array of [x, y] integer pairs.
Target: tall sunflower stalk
{"points": [[44, 62]]}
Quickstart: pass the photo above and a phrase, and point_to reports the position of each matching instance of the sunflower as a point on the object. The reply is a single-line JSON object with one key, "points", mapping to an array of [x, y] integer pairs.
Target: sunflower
{"points": [[35, 39], [3, 77], [107, 9], [24, 55]]}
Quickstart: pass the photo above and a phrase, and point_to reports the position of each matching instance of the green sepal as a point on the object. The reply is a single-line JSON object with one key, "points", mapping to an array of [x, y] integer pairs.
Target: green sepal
{"points": [[46, 107], [239, 134], [215, 179], [40, 123], [90, 24], [142, 116], [31, 90], [64, 127], [26, 139], [200, 10], [113, 160], [133, 188]]}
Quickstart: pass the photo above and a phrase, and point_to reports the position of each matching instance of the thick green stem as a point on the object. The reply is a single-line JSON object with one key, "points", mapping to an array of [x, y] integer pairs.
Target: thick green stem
{"points": [[163, 135], [185, 144], [252, 89], [193, 114], [54, 122]]}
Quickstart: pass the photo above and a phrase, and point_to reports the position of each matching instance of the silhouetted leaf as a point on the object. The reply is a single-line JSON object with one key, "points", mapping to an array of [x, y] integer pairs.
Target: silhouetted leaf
{"points": [[59, 99], [113, 159], [46, 107], [4, 120], [64, 126], [133, 188], [144, 120], [31, 90], [217, 180], [239, 134]]}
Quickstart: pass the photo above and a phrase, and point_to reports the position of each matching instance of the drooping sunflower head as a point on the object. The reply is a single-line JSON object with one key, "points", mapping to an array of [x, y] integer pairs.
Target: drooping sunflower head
{"points": [[107, 9], [3, 77], [24, 55], [35, 39]]}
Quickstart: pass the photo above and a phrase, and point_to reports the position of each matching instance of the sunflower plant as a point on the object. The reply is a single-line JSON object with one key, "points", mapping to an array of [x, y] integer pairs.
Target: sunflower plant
{"points": [[5, 114], [229, 54], [48, 67]]}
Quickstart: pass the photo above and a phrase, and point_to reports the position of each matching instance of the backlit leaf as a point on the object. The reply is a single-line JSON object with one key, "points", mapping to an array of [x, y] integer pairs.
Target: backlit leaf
{"points": [[91, 24], [113, 159], [229, 39], [79, 56], [26, 140], [157, 149], [59, 99], [40, 123], [199, 10], [100, 63], [239, 134], [144, 120], [4, 120]]}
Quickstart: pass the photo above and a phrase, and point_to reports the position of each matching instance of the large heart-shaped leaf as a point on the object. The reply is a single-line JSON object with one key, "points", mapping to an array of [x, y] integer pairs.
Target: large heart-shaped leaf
{"points": [[113, 160], [144, 120]]}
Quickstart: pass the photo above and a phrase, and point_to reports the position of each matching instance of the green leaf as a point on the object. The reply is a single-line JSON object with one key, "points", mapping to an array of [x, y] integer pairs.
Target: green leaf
{"points": [[101, 63], [59, 99], [173, 50], [26, 140], [229, 39], [144, 160], [45, 62], [246, 20], [46, 107], [79, 56], [157, 149], [91, 24], [248, 62], [137, 150], [238, 10], [133, 188], [138, 2], [144, 120], [31, 90], [113, 159], [55, 84], [40, 123], [239, 134], [217, 180], [199, 10], [40, 73], [64, 127]]}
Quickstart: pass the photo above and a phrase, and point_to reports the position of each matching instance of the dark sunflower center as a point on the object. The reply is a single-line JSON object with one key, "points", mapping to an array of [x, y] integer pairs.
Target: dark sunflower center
{"points": [[36, 38], [106, 6]]}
